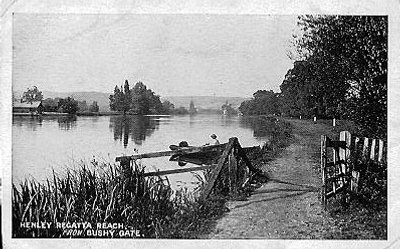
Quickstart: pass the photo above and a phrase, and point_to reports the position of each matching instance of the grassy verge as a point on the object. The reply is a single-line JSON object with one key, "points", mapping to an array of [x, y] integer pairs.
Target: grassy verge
{"points": [[280, 136]]}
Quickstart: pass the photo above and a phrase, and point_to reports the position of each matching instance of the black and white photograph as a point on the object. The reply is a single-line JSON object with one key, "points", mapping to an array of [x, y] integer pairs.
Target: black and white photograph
{"points": [[198, 126]]}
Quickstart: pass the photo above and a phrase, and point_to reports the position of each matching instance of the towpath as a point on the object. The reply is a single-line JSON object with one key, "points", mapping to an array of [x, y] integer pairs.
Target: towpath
{"points": [[287, 206]]}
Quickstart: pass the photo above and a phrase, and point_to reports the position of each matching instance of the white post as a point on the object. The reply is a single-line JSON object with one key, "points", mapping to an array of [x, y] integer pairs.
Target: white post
{"points": [[334, 122], [315, 119], [300, 116]]}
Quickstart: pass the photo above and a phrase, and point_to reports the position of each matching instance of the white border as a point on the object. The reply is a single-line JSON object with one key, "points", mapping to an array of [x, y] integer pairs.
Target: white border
{"points": [[269, 7]]}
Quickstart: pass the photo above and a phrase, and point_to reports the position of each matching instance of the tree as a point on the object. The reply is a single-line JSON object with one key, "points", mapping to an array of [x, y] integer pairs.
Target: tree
{"points": [[343, 64], [181, 111], [167, 107], [117, 100], [82, 106], [126, 98], [263, 102], [138, 100], [94, 107], [32, 94], [50, 105], [68, 105]]}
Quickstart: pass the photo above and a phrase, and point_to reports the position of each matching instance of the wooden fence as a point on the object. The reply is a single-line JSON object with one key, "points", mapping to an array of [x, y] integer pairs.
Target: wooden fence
{"points": [[339, 171], [233, 166]]}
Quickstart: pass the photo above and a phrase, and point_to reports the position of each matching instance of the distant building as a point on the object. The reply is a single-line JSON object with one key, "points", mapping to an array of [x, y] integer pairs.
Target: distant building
{"points": [[192, 109], [227, 109], [34, 107]]}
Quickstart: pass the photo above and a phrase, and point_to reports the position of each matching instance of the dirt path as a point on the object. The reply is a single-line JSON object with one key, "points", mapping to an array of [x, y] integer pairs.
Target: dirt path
{"points": [[288, 206]]}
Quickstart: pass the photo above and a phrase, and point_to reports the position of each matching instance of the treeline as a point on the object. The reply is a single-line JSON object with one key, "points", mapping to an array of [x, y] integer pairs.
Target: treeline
{"points": [[141, 100], [340, 71], [68, 105], [64, 105], [263, 102]]}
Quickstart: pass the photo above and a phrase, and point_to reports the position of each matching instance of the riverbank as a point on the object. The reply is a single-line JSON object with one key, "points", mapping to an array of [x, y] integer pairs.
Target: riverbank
{"points": [[288, 205]]}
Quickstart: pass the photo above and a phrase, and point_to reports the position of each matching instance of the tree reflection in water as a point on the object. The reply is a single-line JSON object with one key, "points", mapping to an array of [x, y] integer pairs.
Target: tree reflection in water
{"points": [[263, 127], [67, 122], [135, 126], [32, 122]]}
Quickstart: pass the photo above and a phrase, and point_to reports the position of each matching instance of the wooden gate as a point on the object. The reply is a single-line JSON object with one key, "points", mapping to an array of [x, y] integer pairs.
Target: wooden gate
{"points": [[339, 172], [233, 165]]}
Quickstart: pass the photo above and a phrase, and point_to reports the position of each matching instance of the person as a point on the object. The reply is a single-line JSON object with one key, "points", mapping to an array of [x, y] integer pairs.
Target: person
{"points": [[214, 137]]}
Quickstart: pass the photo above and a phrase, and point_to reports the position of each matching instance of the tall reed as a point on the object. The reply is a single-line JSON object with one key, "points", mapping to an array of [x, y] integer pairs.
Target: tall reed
{"points": [[103, 194], [112, 194]]}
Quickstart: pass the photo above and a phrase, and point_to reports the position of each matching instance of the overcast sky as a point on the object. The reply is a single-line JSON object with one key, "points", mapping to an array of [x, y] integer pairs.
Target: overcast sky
{"points": [[222, 55]]}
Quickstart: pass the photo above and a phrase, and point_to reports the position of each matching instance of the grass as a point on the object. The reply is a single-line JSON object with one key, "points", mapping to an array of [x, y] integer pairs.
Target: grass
{"points": [[109, 194], [280, 136]]}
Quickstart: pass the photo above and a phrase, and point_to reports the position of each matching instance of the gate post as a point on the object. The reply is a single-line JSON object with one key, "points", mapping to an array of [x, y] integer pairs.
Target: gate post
{"points": [[344, 154]]}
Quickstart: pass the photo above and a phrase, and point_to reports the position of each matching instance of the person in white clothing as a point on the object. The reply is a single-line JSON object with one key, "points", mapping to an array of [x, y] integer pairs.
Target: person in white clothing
{"points": [[214, 137]]}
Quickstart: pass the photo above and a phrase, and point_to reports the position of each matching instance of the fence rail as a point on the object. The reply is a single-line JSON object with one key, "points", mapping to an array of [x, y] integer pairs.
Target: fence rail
{"points": [[233, 165], [339, 172]]}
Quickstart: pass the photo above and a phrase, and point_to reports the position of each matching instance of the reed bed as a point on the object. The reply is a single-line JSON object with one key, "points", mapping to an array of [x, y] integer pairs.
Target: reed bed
{"points": [[108, 193]]}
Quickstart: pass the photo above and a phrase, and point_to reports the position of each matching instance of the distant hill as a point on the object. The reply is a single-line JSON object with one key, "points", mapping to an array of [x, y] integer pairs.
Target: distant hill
{"points": [[201, 102], [204, 102]]}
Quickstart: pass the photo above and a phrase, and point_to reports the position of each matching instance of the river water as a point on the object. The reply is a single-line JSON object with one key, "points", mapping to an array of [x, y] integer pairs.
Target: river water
{"points": [[41, 144]]}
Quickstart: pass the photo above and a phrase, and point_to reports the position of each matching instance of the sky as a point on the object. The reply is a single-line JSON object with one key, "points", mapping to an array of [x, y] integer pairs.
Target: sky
{"points": [[174, 55]]}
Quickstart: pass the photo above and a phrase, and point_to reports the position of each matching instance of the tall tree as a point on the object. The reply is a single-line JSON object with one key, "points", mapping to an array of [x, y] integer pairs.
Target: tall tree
{"points": [[126, 97], [32, 94], [117, 100]]}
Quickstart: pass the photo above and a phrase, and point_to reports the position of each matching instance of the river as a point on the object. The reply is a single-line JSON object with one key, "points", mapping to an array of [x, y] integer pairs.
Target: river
{"points": [[41, 144]]}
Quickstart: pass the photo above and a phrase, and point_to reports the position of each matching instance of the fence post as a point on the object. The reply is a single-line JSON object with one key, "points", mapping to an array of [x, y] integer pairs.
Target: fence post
{"points": [[355, 174], [365, 148], [373, 145], [323, 170], [380, 151]]}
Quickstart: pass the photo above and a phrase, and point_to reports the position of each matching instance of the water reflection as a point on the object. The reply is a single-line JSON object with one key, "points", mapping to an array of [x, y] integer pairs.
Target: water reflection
{"points": [[32, 122], [66, 122], [136, 127], [263, 127], [228, 120]]}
